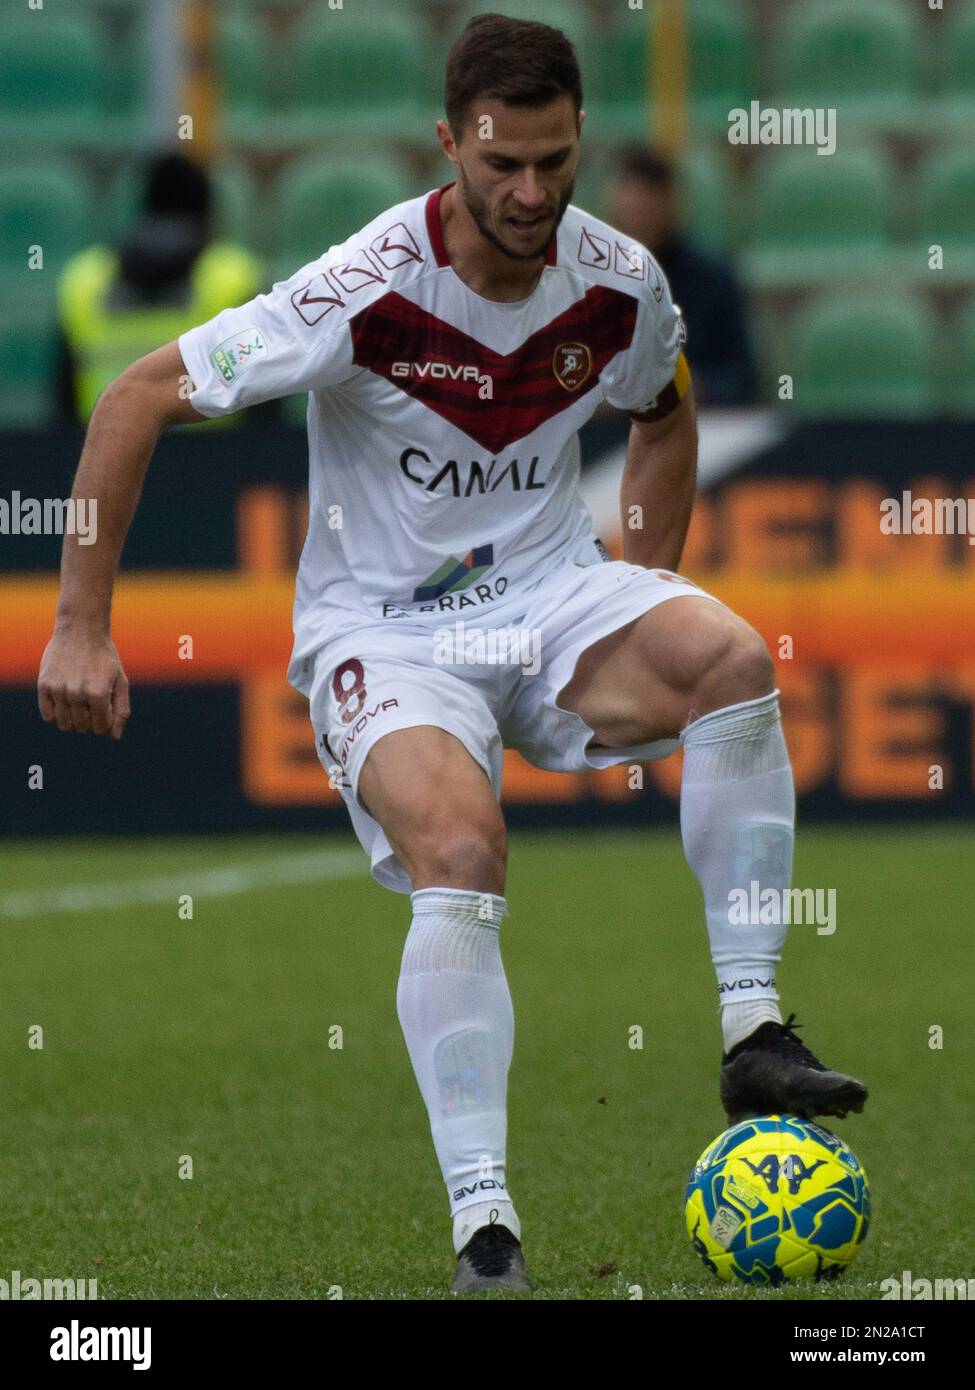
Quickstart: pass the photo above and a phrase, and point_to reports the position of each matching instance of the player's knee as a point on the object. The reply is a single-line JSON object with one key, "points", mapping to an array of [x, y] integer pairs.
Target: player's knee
{"points": [[459, 856], [739, 668]]}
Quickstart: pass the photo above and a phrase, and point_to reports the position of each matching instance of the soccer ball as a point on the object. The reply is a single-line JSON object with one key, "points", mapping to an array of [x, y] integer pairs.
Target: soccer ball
{"points": [[777, 1198]]}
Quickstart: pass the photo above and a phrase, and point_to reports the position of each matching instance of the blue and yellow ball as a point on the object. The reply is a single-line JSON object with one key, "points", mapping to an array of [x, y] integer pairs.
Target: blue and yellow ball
{"points": [[775, 1199]]}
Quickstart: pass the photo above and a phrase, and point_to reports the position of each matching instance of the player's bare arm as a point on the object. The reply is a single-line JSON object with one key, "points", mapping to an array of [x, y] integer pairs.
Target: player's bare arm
{"points": [[657, 490], [82, 686]]}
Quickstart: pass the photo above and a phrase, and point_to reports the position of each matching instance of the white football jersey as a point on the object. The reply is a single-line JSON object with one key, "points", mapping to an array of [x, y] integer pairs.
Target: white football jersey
{"points": [[443, 457]]}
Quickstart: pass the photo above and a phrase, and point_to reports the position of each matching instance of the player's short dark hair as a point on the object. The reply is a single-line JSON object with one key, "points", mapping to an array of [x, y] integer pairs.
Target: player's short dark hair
{"points": [[512, 60], [646, 164]]}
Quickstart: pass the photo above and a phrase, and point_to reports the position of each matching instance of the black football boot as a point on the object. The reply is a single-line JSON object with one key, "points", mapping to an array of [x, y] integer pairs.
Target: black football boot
{"points": [[772, 1073], [491, 1259]]}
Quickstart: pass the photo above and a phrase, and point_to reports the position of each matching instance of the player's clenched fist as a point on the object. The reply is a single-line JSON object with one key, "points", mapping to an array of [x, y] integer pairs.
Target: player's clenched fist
{"points": [[81, 685]]}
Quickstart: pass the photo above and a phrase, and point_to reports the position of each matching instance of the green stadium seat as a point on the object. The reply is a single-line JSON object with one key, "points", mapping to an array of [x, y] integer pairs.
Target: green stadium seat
{"points": [[953, 104], [960, 385], [347, 77], [243, 62], [121, 208], [865, 355], [235, 207], [55, 80], [707, 198], [859, 56], [46, 204], [615, 77], [721, 63], [130, 42], [27, 367], [320, 203], [816, 217], [258, 6], [592, 176], [720, 70], [946, 211]]}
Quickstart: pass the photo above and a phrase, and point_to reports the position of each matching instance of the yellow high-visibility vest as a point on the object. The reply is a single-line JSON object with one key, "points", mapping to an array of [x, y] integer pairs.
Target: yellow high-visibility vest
{"points": [[105, 341]]}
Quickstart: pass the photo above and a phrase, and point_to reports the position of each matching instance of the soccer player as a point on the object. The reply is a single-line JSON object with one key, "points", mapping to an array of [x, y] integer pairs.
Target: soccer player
{"points": [[451, 350]]}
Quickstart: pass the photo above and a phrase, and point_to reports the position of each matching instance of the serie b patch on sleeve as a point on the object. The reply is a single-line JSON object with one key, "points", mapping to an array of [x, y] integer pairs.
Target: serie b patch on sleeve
{"points": [[234, 354]]}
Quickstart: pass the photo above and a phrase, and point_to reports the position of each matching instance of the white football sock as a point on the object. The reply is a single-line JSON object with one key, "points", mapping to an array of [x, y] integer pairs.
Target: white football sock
{"points": [[455, 1010], [471, 1219], [737, 812], [738, 1021]]}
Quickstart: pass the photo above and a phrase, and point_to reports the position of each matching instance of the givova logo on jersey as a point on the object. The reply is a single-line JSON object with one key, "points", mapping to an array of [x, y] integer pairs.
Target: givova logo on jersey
{"points": [[446, 371]]}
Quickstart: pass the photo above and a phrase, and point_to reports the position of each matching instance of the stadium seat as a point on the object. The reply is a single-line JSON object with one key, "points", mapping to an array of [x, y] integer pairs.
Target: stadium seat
{"points": [[960, 378], [946, 211], [720, 57], [866, 355], [590, 183], [708, 198], [346, 77], [955, 66], [815, 217], [243, 64], [859, 56], [257, 6], [27, 367], [47, 204], [236, 207], [55, 80], [721, 63], [320, 203]]}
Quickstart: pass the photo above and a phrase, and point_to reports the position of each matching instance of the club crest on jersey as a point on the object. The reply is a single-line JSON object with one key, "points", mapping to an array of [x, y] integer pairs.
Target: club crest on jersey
{"points": [[572, 365]]}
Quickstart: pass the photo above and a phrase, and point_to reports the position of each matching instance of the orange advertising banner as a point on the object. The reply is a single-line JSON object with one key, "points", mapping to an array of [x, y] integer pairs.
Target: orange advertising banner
{"points": [[240, 624]]}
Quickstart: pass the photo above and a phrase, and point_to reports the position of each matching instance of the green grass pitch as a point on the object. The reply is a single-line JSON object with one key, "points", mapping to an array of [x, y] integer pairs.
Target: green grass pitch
{"points": [[313, 1167]]}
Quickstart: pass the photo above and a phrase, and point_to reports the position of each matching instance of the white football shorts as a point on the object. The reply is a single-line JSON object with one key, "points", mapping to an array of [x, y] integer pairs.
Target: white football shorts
{"points": [[492, 682]]}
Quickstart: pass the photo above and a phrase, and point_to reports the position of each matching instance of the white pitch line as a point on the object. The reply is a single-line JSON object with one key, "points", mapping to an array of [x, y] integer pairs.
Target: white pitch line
{"points": [[281, 870]]}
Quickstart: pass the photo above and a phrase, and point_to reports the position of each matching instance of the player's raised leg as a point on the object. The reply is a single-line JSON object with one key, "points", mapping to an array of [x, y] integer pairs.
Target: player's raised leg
{"points": [[440, 814], [690, 668]]}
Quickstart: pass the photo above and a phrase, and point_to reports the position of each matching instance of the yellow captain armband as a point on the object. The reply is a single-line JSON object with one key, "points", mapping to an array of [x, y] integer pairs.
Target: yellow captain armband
{"points": [[667, 400]]}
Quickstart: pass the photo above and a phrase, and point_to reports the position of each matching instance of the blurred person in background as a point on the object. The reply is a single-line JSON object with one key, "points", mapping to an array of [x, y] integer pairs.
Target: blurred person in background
{"points": [[643, 202], [114, 306]]}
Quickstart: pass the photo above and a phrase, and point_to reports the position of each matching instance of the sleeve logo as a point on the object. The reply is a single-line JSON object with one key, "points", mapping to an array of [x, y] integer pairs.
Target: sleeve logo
{"points": [[242, 350]]}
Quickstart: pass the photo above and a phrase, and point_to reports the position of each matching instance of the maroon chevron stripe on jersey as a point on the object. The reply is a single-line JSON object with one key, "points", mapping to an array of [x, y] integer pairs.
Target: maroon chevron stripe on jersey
{"points": [[446, 369]]}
